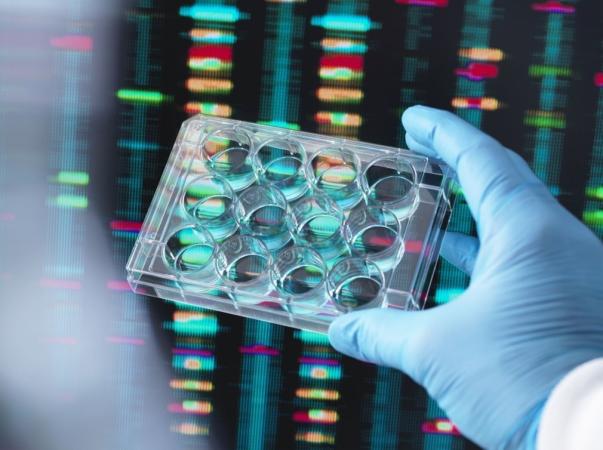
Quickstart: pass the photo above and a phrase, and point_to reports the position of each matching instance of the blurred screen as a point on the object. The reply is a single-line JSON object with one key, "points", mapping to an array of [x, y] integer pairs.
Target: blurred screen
{"points": [[92, 95]]}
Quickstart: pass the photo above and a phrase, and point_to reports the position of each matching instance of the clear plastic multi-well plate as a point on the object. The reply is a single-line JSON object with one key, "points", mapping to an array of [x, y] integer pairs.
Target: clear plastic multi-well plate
{"points": [[290, 227]]}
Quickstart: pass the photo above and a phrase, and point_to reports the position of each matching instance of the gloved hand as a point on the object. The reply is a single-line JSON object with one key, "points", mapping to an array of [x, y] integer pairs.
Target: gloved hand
{"points": [[533, 310]]}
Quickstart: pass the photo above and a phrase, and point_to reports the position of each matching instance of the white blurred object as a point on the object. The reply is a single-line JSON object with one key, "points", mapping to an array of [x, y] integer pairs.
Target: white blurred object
{"points": [[571, 418], [59, 376]]}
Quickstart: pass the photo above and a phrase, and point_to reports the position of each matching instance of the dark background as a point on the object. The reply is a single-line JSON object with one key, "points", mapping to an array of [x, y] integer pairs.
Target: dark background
{"points": [[86, 363]]}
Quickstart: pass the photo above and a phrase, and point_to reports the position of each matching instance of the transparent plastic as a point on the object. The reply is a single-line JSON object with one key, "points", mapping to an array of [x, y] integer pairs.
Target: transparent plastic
{"points": [[290, 227]]}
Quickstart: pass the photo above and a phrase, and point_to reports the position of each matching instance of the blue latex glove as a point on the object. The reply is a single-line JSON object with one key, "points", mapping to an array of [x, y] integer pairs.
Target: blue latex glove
{"points": [[534, 307]]}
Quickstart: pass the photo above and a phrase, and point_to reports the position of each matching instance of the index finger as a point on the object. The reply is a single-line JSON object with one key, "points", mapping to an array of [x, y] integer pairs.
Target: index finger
{"points": [[487, 171]]}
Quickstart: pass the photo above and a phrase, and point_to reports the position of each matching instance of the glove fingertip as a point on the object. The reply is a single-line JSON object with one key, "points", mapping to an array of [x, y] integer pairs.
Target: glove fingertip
{"points": [[341, 337], [460, 250], [409, 114]]}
